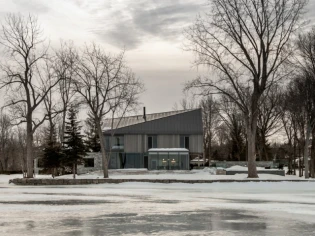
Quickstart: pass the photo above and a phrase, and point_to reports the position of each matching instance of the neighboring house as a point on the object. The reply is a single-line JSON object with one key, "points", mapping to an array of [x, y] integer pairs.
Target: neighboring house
{"points": [[165, 140]]}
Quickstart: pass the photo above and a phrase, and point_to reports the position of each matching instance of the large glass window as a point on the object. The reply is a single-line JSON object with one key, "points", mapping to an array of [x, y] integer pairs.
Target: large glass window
{"points": [[163, 161], [154, 161], [169, 161], [134, 160], [130, 161], [173, 161], [184, 142], [183, 157], [152, 141]]}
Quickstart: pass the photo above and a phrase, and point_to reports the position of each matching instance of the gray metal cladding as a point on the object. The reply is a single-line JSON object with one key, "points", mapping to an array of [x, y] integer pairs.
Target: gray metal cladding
{"points": [[188, 122], [132, 120], [133, 143], [168, 141]]}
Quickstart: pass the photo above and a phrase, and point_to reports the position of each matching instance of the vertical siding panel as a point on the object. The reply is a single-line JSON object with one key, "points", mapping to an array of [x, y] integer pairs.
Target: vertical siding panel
{"points": [[133, 143], [168, 141], [145, 142]]}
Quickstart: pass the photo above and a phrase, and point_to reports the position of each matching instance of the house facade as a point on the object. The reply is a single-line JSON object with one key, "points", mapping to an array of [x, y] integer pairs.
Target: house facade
{"points": [[165, 140]]}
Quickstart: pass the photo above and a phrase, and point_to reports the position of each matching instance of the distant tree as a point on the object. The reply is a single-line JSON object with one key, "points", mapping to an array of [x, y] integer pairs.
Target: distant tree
{"points": [[233, 118], [92, 138], [289, 126], [5, 130], [306, 65], [210, 118], [74, 148], [302, 94], [269, 120], [186, 104]]}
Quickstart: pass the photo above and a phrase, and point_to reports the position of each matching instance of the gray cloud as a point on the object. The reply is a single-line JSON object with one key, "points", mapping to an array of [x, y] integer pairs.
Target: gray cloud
{"points": [[32, 6], [148, 18], [136, 22]]}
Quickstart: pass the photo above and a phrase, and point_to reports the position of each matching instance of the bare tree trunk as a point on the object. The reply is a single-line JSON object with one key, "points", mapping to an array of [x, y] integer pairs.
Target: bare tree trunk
{"points": [[306, 152], [103, 150], [29, 148], [1, 166], [294, 155], [209, 150], [251, 153], [63, 124], [313, 154], [73, 170], [251, 148]]}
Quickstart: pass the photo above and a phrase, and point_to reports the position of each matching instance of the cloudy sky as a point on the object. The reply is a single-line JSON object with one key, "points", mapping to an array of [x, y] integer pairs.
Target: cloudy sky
{"points": [[149, 30]]}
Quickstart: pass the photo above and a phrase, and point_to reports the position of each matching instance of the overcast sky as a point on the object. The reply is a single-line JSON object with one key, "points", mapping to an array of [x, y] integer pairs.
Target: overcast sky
{"points": [[149, 30]]}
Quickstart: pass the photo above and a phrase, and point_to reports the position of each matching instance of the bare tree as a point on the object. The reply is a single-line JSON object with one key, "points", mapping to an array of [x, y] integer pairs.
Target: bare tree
{"points": [[26, 54], [65, 66], [246, 43], [106, 85], [185, 104]]}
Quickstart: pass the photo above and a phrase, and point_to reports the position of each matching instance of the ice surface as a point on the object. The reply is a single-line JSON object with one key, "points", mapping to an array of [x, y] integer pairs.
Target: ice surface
{"points": [[283, 208]]}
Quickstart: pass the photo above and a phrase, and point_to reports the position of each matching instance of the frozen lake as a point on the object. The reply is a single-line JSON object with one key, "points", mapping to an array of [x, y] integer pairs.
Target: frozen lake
{"points": [[159, 209]]}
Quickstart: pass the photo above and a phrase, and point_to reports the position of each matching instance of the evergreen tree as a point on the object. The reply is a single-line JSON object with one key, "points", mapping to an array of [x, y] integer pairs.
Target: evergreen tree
{"points": [[52, 153], [74, 148], [93, 141]]}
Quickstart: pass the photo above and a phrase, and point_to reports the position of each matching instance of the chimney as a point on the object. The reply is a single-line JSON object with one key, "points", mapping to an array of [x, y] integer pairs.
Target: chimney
{"points": [[144, 115]]}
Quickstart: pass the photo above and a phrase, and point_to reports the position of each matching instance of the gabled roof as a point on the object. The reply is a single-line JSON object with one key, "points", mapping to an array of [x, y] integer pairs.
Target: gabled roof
{"points": [[132, 120]]}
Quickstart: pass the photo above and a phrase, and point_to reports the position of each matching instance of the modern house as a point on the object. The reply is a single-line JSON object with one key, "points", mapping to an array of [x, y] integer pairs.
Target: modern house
{"points": [[157, 141]]}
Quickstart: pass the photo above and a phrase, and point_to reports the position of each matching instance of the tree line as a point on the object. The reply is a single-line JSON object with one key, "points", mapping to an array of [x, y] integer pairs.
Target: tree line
{"points": [[41, 83]]}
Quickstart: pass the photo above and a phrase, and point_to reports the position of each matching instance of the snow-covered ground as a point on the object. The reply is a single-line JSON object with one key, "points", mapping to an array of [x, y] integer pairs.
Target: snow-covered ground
{"points": [[202, 174], [282, 208]]}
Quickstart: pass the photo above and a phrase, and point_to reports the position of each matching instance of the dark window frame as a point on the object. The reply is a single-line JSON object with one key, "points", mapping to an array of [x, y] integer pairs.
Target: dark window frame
{"points": [[184, 141], [152, 141]]}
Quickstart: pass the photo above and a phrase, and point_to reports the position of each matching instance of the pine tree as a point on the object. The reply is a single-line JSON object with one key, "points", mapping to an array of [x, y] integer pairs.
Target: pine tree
{"points": [[52, 153], [74, 148], [93, 141]]}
